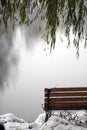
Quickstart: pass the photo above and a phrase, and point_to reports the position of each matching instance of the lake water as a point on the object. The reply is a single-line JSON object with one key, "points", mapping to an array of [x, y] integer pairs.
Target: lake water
{"points": [[36, 69]]}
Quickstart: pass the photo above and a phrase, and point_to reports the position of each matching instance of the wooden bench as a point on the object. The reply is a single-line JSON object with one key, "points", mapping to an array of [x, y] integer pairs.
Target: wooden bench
{"points": [[74, 98]]}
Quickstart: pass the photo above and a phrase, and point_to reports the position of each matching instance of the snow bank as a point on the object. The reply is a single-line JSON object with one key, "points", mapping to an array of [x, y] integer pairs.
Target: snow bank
{"points": [[60, 120], [12, 122]]}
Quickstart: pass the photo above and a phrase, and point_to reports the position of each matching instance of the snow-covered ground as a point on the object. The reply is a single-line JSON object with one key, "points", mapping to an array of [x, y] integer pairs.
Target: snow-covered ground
{"points": [[60, 120]]}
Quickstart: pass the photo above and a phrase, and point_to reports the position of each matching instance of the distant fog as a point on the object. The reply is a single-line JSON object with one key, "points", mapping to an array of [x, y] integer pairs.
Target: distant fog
{"points": [[37, 68]]}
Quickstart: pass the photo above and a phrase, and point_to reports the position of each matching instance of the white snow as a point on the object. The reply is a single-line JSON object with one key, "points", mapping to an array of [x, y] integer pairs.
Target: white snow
{"points": [[60, 120]]}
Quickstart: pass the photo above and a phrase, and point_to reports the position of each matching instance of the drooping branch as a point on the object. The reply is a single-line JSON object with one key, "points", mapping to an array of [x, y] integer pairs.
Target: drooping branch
{"points": [[72, 14]]}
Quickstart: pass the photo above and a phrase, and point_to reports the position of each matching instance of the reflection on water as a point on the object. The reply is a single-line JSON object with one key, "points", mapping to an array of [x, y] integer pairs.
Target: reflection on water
{"points": [[37, 69]]}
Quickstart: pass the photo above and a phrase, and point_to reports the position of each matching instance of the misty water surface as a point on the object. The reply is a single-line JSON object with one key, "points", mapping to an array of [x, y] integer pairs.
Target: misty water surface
{"points": [[27, 67]]}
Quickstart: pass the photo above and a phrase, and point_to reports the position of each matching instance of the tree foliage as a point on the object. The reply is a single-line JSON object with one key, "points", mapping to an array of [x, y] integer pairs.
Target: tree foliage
{"points": [[72, 14]]}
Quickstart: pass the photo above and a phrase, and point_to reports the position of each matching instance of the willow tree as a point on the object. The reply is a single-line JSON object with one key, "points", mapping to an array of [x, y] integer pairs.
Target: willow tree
{"points": [[72, 14]]}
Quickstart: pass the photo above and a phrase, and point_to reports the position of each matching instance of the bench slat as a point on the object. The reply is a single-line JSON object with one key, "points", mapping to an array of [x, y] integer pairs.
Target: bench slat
{"points": [[66, 106], [66, 94], [65, 99], [66, 89]]}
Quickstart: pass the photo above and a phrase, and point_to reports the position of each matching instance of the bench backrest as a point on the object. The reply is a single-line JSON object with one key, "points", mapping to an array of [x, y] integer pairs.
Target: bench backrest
{"points": [[65, 98]]}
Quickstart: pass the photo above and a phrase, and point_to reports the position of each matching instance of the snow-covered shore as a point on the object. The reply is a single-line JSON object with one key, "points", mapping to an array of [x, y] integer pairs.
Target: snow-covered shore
{"points": [[60, 120]]}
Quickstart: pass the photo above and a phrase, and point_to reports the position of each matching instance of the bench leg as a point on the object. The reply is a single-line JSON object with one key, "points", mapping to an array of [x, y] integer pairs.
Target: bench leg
{"points": [[48, 115]]}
